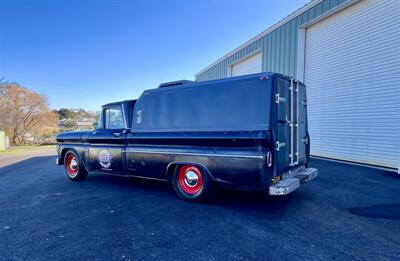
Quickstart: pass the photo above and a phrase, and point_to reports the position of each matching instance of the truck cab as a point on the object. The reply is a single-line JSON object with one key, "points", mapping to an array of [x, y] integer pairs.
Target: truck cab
{"points": [[108, 139]]}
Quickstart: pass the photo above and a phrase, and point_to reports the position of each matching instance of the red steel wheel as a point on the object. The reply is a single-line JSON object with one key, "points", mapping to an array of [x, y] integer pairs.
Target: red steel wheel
{"points": [[72, 165], [74, 168], [191, 179]]}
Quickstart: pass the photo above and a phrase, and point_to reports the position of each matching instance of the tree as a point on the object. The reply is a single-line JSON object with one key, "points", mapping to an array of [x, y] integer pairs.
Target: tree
{"points": [[69, 125], [24, 112], [67, 113]]}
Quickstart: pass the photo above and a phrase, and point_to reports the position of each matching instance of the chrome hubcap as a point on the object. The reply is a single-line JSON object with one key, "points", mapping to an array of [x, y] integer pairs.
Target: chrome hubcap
{"points": [[191, 178], [73, 165]]}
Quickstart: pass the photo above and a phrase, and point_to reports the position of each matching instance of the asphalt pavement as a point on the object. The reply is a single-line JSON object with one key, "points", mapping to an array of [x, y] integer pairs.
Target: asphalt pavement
{"points": [[347, 212]]}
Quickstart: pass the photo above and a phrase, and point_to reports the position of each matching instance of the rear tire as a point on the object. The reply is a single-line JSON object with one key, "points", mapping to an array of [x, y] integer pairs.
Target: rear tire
{"points": [[74, 167], [192, 183]]}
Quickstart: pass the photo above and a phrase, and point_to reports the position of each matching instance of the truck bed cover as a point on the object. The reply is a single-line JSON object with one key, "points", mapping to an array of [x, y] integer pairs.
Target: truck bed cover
{"points": [[234, 104]]}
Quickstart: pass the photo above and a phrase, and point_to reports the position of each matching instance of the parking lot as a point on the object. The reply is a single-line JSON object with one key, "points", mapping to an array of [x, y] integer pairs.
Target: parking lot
{"points": [[348, 212]]}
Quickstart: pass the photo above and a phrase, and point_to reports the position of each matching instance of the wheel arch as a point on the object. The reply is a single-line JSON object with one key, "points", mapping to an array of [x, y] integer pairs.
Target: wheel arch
{"points": [[64, 152], [62, 155], [171, 168]]}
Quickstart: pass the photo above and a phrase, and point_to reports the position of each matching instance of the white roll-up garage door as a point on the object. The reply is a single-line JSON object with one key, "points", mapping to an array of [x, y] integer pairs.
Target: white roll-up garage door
{"points": [[352, 73], [253, 64]]}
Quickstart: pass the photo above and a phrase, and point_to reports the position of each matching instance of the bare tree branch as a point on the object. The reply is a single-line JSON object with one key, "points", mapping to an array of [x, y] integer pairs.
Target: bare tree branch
{"points": [[24, 112]]}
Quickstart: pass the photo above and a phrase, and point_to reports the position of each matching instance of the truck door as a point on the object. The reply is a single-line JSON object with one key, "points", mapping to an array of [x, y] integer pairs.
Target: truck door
{"points": [[282, 140], [302, 141], [107, 143], [291, 137]]}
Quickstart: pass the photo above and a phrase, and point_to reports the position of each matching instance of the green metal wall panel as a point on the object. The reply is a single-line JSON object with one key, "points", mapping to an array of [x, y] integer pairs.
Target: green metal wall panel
{"points": [[279, 47]]}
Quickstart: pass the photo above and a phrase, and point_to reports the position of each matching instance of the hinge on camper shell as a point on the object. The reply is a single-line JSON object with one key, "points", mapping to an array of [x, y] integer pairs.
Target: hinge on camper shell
{"points": [[279, 145], [305, 140], [296, 85], [279, 99], [304, 102]]}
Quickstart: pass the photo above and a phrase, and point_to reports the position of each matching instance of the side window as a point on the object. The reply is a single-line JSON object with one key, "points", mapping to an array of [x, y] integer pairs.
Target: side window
{"points": [[114, 118]]}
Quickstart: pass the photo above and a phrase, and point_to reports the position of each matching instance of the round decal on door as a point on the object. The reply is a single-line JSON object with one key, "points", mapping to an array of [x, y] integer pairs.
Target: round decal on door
{"points": [[105, 159]]}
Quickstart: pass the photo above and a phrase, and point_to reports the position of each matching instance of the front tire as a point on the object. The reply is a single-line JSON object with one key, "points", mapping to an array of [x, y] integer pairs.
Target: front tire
{"points": [[74, 167], [192, 183]]}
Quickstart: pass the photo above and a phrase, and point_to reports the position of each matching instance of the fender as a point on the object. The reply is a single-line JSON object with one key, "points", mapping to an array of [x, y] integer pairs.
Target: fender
{"points": [[173, 163], [78, 151]]}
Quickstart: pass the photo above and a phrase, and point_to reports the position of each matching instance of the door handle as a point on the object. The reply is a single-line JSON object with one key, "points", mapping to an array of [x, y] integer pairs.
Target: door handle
{"points": [[117, 134]]}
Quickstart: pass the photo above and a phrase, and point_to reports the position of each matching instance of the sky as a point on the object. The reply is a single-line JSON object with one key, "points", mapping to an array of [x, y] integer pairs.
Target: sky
{"points": [[82, 54]]}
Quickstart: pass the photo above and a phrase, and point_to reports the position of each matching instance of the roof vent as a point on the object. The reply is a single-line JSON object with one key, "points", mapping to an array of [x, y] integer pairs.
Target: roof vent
{"points": [[175, 83]]}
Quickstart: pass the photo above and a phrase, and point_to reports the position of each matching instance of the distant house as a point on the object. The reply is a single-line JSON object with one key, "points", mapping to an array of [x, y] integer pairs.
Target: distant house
{"points": [[3, 140], [84, 125], [81, 124]]}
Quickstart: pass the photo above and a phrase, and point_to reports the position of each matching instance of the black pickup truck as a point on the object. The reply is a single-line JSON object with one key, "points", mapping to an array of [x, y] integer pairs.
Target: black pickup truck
{"points": [[247, 132]]}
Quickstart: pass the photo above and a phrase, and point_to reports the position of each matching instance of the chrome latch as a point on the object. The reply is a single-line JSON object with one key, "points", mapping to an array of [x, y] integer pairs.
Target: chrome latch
{"points": [[305, 140], [279, 145], [279, 99]]}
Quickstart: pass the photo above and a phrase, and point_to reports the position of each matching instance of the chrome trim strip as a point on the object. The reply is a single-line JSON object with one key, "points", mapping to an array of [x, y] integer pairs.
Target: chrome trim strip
{"points": [[126, 175], [196, 154]]}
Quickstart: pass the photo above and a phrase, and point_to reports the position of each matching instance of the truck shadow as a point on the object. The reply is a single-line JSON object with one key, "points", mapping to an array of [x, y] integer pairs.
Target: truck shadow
{"points": [[39, 168], [226, 198], [257, 202]]}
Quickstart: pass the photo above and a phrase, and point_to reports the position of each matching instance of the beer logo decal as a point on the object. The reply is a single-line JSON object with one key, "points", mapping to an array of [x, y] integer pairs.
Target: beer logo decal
{"points": [[105, 159]]}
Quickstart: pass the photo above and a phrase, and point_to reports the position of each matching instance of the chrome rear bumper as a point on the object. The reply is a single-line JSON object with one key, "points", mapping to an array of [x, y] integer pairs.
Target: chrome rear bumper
{"points": [[290, 184]]}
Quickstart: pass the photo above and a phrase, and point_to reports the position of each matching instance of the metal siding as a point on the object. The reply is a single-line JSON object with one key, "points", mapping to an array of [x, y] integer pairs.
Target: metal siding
{"points": [[306, 16], [286, 53], [273, 48], [271, 53], [279, 47], [352, 72], [325, 6], [291, 48], [282, 47]]}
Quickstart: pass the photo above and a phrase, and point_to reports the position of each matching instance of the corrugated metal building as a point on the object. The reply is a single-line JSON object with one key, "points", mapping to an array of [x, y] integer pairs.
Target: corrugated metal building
{"points": [[348, 54]]}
